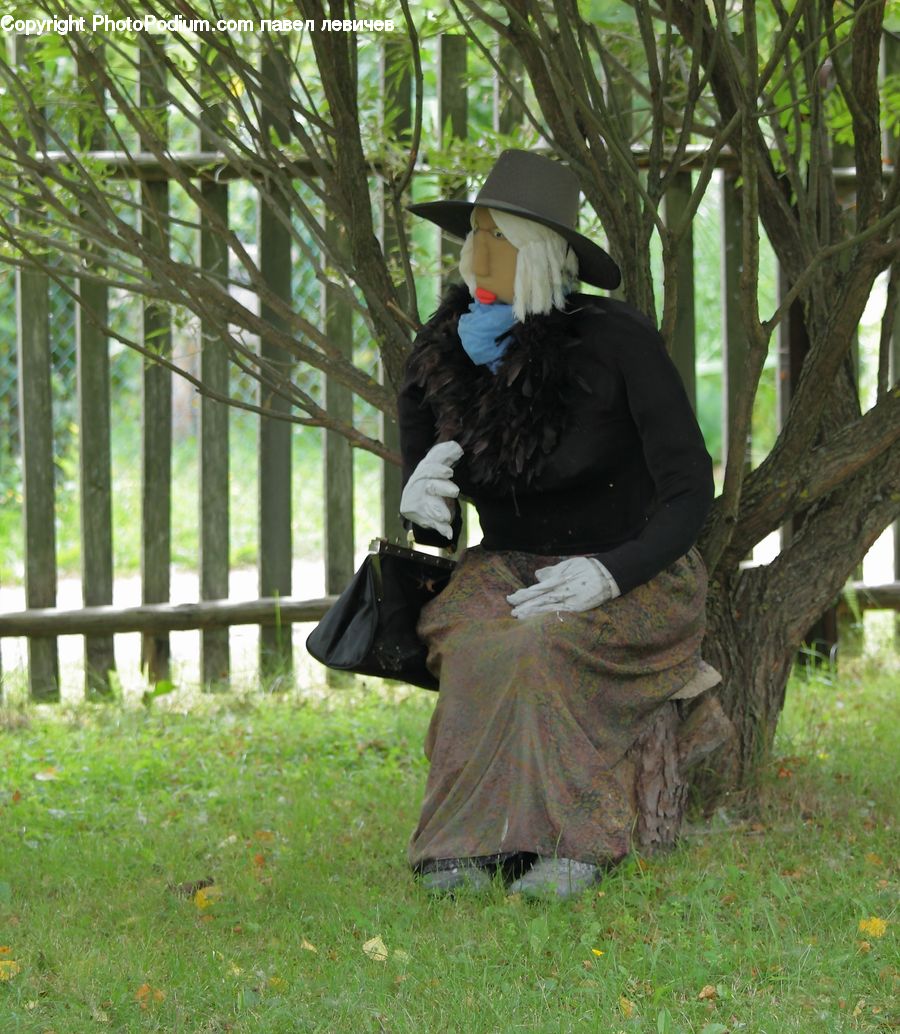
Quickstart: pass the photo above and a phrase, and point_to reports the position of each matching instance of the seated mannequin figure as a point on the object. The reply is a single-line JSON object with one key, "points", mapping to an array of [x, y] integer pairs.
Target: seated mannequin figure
{"points": [[561, 417]]}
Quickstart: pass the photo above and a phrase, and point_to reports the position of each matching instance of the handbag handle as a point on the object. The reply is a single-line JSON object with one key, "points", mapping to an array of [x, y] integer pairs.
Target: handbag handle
{"points": [[383, 546]]}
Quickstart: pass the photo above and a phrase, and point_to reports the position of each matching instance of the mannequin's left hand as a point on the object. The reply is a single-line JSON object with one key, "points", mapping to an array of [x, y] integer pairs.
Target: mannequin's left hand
{"points": [[579, 583]]}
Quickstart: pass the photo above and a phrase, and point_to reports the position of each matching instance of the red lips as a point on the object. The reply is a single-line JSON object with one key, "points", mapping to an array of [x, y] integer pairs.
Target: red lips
{"points": [[483, 295]]}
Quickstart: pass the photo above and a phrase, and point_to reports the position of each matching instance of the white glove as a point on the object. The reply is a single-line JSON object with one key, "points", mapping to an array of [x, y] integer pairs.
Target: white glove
{"points": [[424, 499], [580, 583]]}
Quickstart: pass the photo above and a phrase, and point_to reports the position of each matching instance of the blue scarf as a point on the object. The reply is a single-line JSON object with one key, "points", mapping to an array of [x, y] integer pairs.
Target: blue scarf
{"points": [[479, 329]]}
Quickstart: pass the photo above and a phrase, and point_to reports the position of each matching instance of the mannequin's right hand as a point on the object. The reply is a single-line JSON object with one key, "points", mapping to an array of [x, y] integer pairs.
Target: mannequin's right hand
{"points": [[425, 499]]}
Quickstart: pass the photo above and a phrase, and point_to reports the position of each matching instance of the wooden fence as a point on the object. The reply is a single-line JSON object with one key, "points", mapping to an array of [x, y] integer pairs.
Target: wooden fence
{"points": [[98, 621]]}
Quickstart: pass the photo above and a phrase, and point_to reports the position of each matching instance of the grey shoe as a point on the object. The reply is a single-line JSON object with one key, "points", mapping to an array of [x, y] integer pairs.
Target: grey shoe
{"points": [[556, 877], [463, 875]]}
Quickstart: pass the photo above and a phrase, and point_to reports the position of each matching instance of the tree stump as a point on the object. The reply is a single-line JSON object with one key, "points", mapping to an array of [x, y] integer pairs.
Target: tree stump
{"points": [[681, 735]]}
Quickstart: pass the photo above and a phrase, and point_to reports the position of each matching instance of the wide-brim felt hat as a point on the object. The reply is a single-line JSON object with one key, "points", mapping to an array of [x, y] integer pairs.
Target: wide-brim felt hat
{"points": [[537, 188]]}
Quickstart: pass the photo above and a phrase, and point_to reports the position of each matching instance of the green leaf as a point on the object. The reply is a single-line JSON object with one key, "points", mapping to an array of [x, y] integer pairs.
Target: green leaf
{"points": [[161, 689]]}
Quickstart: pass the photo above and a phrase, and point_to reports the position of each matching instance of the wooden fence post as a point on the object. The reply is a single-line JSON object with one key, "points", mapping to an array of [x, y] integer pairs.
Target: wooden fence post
{"points": [[793, 348], [275, 549], [453, 119], [214, 419], [396, 91], [337, 318], [840, 626], [36, 442], [734, 341], [895, 376], [156, 430], [94, 449], [508, 113], [892, 67], [683, 346]]}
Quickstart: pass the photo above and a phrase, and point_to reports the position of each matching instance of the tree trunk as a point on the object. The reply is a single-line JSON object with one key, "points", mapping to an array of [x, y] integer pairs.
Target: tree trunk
{"points": [[744, 645], [681, 735]]}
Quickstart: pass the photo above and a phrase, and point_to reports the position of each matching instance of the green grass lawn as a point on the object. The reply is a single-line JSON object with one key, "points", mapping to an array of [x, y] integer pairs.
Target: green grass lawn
{"points": [[295, 810]]}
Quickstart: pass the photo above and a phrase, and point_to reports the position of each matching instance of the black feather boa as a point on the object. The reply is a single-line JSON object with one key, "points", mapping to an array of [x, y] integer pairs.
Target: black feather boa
{"points": [[509, 422]]}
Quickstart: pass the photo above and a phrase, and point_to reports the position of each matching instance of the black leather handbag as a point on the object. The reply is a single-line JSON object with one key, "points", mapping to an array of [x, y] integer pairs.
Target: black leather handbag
{"points": [[371, 628]]}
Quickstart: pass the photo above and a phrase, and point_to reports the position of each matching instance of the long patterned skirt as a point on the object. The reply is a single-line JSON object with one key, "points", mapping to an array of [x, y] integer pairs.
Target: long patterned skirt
{"points": [[529, 739]]}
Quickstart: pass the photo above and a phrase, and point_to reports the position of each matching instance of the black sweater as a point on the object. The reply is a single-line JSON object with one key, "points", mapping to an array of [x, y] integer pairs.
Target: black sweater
{"points": [[583, 442]]}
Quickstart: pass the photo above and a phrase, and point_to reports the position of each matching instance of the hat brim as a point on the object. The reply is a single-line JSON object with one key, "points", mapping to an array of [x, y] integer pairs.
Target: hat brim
{"points": [[594, 265]]}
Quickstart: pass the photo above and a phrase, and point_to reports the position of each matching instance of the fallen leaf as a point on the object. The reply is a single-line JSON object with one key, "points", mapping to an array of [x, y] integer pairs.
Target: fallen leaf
{"points": [[306, 946], [146, 996], [626, 1007], [207, 896], [400, 954], [265, 835], [277, 983], [375, 948], [873, 926], [8, 969], [46, 774], [708, 993], [874, 859], [864, 946], [16, 796]]}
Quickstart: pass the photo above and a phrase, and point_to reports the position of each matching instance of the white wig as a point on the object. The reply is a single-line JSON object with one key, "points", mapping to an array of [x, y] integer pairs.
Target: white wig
{"points": [[546, 266]]}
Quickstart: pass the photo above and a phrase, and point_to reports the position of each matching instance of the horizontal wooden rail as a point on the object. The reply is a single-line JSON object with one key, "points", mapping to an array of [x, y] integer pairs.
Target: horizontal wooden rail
{"points": [[270, 610], [873, 597], [162, 617], [218, 166]]}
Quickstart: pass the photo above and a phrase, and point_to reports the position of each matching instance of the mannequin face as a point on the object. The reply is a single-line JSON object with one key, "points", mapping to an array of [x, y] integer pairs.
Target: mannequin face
{"points": [[493, 258]]}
